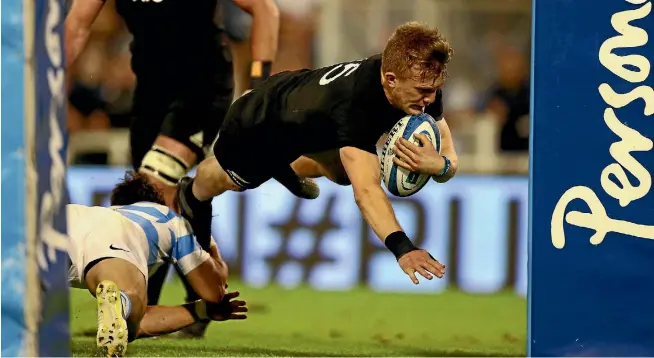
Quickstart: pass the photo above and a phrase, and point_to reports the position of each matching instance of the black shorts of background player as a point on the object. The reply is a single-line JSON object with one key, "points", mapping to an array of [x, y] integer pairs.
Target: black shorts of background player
{"points": [[327, 122]]}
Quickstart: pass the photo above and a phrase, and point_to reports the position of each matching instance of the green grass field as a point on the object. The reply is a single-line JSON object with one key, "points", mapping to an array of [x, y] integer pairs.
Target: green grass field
{"points": [[304, 322]]}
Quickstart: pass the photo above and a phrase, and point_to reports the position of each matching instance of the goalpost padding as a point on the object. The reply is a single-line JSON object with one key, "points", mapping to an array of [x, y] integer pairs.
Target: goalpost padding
{"points": [[592, 209], [34, 259]]}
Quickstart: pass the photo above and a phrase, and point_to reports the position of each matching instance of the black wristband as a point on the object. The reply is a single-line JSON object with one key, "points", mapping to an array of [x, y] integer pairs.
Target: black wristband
{"points": [[399, 244], [259, 72]]}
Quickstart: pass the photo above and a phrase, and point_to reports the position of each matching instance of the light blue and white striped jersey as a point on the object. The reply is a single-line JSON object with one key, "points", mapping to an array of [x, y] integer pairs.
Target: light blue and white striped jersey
{"points": [[145, 234]]}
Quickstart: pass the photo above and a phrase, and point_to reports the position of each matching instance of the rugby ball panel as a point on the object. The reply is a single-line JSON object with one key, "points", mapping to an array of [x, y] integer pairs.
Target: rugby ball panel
{"points": [[399, 181]]}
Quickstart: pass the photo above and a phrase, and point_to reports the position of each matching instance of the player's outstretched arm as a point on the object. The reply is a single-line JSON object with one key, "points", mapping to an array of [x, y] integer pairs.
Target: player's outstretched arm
{"points": [[363, 170], [364, 173], [159, 320], [77, 27]]}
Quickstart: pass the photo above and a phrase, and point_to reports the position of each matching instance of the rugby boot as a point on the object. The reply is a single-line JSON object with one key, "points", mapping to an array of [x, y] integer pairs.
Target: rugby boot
{"points": [[112, 327], [305, 188], [198, 213]]}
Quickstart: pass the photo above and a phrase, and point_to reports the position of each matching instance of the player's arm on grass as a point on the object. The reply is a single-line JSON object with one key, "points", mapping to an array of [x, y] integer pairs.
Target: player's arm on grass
{"points": [[77, 27], [159, 320], [364, 173]]}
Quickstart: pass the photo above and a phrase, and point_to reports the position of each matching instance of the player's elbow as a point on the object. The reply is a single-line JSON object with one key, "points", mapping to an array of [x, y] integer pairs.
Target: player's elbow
{"points": [[266, 8]]}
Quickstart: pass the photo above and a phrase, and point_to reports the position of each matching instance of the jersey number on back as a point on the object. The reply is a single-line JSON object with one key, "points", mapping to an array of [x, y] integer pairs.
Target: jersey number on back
{"points": [[338, 71]]}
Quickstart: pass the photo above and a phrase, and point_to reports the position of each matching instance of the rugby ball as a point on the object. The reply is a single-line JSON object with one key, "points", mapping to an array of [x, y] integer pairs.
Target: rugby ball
{"points": [[399, 181]]}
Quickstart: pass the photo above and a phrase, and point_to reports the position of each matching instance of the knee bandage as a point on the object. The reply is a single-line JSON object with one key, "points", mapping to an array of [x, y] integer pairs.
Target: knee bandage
{"points": [[164, 165]]}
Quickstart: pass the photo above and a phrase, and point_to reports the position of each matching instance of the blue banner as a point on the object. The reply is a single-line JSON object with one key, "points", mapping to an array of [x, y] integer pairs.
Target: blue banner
{"points": [[50, 155], [592, 218]]}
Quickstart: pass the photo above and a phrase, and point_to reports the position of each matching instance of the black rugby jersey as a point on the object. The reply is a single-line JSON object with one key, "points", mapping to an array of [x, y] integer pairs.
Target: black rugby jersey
{"points": [[333, 107], [178, 36]]}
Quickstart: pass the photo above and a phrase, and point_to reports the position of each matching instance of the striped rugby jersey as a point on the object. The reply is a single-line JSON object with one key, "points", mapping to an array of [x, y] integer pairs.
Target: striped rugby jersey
{"points": [[160, 234]]}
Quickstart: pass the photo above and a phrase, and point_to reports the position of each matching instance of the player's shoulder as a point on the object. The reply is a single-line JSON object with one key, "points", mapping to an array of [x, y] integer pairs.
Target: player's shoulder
{"points": [[150, 210], [348, 71], [78, 208]]}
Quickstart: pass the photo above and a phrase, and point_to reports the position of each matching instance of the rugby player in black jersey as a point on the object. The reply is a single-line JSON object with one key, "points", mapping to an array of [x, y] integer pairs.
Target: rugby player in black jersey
{"points": [[184, 84], [326, 122]]}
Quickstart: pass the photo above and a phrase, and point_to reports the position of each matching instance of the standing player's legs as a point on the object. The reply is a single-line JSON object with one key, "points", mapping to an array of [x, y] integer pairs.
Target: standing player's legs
{"points": [[120, 291], [151, 106], [168, 146]]}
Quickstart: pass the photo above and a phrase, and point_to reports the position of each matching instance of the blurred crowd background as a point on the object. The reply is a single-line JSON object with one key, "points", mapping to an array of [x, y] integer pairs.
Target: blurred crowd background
{"points": [[486, 96]]}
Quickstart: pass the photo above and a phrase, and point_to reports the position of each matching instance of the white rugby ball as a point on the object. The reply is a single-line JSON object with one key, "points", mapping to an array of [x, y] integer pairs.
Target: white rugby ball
{"points": [[399, 181]]}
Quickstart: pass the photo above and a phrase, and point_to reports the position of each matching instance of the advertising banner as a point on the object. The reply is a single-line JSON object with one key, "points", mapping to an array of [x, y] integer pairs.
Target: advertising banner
{"points": [[592, 221], [475, 225]]}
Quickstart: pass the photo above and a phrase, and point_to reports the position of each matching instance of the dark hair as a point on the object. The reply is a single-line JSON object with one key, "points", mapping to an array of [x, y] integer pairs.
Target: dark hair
{"points": [[414, 44], [135, 187]]}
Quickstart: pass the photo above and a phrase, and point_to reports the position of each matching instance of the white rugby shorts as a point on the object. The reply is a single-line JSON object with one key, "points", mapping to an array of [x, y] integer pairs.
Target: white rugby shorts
{"points": [[97, 233]]}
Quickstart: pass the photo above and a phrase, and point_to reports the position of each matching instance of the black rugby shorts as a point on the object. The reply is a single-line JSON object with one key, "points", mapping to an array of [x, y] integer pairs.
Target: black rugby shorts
{"points": [[179, 109], [253, 144]]}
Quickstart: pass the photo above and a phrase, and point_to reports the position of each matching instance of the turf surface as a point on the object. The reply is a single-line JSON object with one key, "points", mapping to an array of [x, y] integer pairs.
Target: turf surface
{"points": [[303, 322]]}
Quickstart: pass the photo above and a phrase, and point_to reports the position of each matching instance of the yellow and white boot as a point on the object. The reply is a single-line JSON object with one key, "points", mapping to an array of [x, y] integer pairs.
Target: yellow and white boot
{"points": [[112, 326]]}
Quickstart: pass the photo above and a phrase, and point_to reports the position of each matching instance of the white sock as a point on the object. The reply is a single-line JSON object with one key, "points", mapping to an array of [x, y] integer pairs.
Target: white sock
{"points": [[126, 303]]}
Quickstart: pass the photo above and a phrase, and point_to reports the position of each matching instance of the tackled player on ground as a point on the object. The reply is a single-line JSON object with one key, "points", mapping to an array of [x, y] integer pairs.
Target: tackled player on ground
{"points": [[113, 252]]}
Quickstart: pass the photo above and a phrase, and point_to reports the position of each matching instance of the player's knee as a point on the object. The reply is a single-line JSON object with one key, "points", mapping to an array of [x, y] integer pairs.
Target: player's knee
{"points": [[210, 169], [229, 181]]}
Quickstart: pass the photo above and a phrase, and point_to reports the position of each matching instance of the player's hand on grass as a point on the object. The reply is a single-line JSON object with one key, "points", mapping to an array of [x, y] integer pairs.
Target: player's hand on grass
{"points": [[422, 159], [422, 262], [228, 308]]}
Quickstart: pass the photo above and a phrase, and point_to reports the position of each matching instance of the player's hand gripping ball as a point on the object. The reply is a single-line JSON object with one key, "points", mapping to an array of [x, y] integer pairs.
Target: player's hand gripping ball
{"points": [[400, 181]]}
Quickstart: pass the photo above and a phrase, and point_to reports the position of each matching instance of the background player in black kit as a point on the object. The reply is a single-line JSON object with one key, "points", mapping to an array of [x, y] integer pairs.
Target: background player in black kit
{"points": [[184, 83], [328, 122]]}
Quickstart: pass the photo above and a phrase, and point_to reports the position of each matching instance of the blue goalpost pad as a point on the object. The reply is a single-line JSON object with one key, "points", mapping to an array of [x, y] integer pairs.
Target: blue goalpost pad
{"points": [[34, 259]]}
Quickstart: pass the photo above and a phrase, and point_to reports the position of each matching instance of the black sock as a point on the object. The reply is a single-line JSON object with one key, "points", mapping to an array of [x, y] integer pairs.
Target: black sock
{"points": [[155, 284], [190, 198], [286, 175]]}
